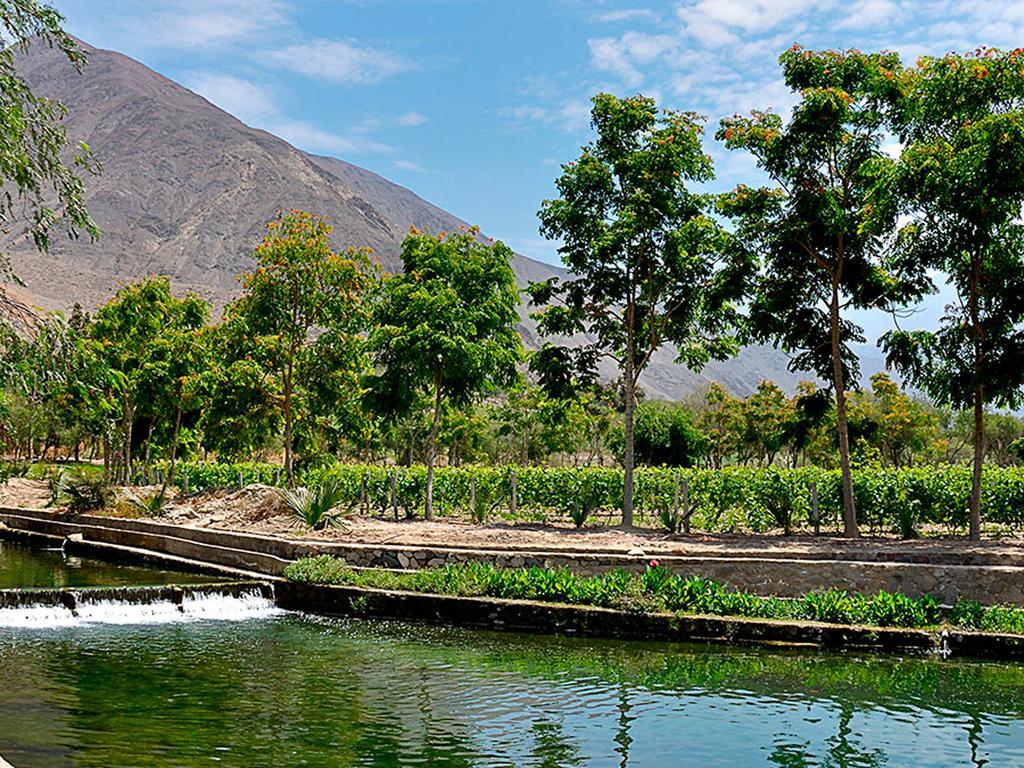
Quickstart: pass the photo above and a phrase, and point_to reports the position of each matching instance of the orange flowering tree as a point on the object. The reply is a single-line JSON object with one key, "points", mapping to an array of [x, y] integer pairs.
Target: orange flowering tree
{"points": [[822, 230], [961, 175], [303, 305]]}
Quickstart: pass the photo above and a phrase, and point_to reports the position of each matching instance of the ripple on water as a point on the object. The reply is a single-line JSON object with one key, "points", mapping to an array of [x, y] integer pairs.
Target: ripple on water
{"points": [[299, 690]]}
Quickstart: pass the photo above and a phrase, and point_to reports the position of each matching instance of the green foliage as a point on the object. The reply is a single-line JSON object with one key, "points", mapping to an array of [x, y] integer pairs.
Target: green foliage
{"points": [[444, 330], [301, 285], [316, 506], [649, 264], [821, 231], [961, 175], [664, 436], [732, 499], [147, 505], [656, 589], [41, 192], [78, 493]]}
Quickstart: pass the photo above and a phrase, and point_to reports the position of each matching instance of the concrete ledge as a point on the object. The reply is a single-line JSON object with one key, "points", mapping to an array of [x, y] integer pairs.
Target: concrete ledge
{"points": [[780, 576], [553, 618]]}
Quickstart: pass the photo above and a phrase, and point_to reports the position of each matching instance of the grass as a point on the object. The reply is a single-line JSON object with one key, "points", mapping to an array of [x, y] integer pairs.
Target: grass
{"points": [[658, 590]]}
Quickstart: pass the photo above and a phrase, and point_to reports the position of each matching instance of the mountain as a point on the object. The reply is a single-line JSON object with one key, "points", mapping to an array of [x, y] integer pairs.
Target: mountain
{"points": [[186, 190]]}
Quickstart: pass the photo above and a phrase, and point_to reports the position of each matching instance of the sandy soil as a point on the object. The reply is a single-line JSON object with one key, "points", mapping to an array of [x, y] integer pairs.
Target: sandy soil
{"points": [[22, 492], [260, 509]]}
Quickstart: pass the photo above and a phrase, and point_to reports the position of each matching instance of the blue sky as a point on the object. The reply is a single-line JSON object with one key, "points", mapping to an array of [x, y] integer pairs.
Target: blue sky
{"points": [[473, 104]]}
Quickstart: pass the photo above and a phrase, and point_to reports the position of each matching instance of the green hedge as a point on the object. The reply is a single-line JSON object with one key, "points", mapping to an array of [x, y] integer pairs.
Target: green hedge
{"points": [[731, 499]]}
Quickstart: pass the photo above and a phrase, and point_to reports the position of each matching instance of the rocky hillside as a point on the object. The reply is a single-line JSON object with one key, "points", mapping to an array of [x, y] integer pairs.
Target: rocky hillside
{"points": [[186, 190]]}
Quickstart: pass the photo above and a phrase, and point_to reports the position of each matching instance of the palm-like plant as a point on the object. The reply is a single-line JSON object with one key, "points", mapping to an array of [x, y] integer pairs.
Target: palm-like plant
{"points": [[317, 507]]}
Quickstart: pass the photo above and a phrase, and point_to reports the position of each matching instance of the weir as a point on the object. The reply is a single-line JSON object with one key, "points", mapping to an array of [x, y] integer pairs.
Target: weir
{"points": [[49, 608]]}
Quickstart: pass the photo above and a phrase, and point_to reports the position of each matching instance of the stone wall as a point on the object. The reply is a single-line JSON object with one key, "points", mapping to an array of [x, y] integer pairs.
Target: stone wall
{"points": [[785, 577]]}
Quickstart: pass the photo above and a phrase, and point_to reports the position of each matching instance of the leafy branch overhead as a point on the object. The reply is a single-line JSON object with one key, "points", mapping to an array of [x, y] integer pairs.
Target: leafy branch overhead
{"points": [[41, 191]]}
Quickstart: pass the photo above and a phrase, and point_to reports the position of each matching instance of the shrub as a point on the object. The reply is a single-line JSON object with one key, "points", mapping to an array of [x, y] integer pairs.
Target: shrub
{"points": [[316, 506]]}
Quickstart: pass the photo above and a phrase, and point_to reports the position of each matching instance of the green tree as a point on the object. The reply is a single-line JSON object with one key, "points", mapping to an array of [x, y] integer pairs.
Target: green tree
{"points": [[444, 329], [38, 184], [961, 173], [665, 436], [134, 330], [650, 265], [822, 231], [302, 302]]}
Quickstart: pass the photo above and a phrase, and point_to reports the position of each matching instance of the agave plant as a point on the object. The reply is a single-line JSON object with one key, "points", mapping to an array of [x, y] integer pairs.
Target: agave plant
{"points": [[151, 505], [317, 507]]}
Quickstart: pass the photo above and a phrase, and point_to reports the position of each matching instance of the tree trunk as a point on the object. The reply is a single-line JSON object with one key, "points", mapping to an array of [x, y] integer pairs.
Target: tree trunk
{"points": [[850, 528], [977, 334], [979, 460], [288, 467], [149, 443], [428, 505], [129, 423], [174, 442], [627, 463]]}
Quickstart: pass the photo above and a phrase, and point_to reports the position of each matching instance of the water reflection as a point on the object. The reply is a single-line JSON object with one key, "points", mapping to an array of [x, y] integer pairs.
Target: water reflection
{"points": [[298, 691]]}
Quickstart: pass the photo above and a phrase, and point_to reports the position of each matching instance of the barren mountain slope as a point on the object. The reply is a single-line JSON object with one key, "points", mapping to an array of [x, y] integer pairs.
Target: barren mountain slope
{"points": [[187, 189]]}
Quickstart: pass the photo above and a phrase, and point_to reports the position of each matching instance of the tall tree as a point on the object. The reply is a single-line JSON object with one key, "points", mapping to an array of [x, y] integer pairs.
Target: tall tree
{"points": [[133, 330], [302, 300], [650, 266], [39, 187], [444, 329], [962, 174], [822, 232]]}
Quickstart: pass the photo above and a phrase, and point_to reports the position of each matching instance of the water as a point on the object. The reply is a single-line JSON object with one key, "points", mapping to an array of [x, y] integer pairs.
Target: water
{"points": [[24, 566], [290, 690]]}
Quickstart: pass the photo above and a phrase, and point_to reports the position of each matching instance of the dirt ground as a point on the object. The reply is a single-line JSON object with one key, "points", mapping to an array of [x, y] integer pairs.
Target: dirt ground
{"points": [[260, 509], [23, 492]]}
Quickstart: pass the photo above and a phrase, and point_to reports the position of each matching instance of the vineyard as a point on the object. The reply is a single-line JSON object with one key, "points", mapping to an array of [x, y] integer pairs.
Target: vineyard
{"points": [[732, 499]]}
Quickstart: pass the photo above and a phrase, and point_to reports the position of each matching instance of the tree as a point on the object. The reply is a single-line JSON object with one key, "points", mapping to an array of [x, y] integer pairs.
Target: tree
{"points": [[650, 266], [38, 185], [134, 330], [444, 328], [822, 232], [302, 302], [961, 173]]}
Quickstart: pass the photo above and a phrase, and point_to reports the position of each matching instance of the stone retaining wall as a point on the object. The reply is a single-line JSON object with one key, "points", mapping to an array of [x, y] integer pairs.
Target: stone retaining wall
{"points": [[781, 576]]}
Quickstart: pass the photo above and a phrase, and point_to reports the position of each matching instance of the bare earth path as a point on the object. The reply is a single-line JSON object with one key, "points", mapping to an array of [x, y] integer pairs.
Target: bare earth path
{"points": [[259, 510]]}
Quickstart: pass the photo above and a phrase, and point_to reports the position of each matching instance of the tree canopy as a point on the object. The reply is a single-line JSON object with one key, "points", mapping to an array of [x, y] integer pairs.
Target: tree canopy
{"points": [[444, 329], [650, 265], [822, 232], [961, 177], [42, 190]]}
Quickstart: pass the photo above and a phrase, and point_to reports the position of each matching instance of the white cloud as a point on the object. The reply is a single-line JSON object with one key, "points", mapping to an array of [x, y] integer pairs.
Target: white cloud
{"points": [[314, 139], [256, 105], [572, 116], [249, 102], [409, 165], [626, 14], [340, 61], [623, 56], [410, 119], [199, 24]]}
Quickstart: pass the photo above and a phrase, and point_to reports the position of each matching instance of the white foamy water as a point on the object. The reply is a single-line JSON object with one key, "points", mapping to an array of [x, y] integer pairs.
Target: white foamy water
{"points": [[198, 607]]}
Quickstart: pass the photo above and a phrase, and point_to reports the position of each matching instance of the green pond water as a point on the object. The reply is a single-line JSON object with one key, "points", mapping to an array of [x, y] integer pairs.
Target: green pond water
{"points": [[24, 566], [277, 689]]}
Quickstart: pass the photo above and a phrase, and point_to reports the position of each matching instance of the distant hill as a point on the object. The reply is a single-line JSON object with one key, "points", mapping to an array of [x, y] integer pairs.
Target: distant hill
{"points": [[187, 189]]}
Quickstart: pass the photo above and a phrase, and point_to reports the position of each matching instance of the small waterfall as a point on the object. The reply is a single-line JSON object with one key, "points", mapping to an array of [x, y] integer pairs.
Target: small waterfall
{"points": [[45, 609]]}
